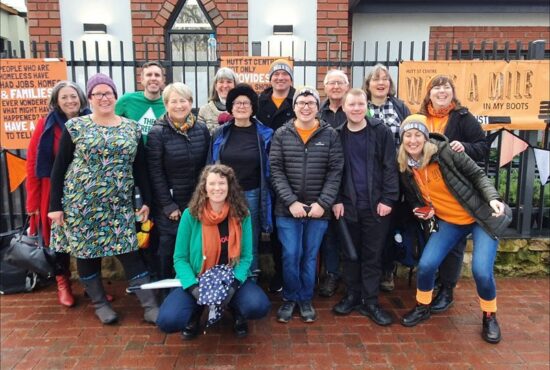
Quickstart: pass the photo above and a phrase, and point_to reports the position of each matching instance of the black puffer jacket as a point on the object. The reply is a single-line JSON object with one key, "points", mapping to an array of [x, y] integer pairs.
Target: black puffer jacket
{"points": [[308, 172], [464, 127], [269, 114], [467, 183], [175, 162]]}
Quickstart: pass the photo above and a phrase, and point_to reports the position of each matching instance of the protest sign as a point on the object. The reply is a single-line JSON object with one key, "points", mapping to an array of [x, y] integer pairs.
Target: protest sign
{"points": [[251, 70]]}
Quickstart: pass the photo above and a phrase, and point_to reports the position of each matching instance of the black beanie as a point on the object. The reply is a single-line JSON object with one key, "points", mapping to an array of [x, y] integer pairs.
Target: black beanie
{"points": [[242, 89]]}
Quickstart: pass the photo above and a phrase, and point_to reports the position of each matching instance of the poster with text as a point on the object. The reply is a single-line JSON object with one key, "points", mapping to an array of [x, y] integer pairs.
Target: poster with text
{"points": [[25, 87], [511, 94], [252, 70]]}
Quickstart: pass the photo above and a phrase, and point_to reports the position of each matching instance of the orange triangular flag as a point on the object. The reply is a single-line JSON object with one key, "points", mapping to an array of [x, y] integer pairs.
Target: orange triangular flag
{"points": [[17, 172], [510, 146]]}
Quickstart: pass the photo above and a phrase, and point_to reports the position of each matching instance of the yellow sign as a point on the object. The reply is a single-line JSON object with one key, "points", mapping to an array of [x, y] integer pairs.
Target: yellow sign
{"points": [[25, 88], [494, 91], [252, 70]]}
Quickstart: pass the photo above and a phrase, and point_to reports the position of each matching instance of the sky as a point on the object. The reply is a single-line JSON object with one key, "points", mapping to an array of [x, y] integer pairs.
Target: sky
{"points": [[18, 5]]}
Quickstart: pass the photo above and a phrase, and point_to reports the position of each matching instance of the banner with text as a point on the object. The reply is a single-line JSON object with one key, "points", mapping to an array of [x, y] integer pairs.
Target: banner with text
{"points": [[510, 94], [25, 87], [252, 70]]}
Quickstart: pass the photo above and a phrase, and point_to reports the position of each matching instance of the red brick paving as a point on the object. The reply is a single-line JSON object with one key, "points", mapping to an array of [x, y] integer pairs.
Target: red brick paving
{"points": [[36, 332]]}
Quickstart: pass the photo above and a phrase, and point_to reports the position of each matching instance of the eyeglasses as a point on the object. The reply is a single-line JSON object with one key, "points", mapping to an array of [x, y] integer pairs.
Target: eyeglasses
{"points": [[302, 104], [99, 96], [383, 79], [244, 104], [336, 83]]}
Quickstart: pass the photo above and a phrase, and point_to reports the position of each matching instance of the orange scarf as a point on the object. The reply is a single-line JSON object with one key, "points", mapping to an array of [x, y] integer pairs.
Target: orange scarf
{"points": [[211, 246], [437, 118]]}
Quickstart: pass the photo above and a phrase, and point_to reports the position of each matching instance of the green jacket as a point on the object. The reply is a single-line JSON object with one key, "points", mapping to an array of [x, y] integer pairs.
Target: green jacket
{"points": [[188, 256], [467, 183]]}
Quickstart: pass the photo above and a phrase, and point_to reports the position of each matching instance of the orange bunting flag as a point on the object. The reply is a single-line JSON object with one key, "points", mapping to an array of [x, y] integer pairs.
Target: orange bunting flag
{"points": [[510, 146], [17, 172]]}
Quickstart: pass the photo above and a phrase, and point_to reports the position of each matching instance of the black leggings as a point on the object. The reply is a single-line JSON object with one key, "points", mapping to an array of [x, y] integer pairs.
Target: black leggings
{"points": [[131, 262], [62, 263]]}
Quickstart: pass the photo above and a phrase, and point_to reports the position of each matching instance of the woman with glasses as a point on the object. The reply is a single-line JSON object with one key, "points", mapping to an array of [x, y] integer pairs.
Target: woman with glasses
{"points": [[177, 147], [243, 144], [99, 162], [216, 107]]}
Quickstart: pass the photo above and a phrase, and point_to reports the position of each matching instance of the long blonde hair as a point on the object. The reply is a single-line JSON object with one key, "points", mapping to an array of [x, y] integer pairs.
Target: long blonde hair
{"points": [[428, 151]]}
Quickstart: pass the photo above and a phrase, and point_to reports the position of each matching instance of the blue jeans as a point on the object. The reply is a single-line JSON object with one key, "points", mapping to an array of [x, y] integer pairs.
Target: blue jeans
{"points": [[440, 245], [249, 301], [330, 250], [301, 239], [253, 200]]}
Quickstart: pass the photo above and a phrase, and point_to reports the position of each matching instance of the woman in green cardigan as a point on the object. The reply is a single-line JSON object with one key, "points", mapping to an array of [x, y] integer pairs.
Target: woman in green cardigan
{"points": [[214, 230]]}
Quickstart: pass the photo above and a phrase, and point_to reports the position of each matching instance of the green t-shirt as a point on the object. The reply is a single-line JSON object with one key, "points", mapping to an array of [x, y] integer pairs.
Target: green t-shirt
{"points": [[137, 107]]}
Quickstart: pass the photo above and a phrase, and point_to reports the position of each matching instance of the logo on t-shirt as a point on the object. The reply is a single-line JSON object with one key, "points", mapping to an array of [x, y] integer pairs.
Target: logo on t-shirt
{"points": [[147, 120]]}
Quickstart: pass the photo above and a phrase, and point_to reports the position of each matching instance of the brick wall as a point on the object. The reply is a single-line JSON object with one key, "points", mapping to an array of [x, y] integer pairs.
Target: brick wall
{"points": [[333, 26], [44, 25], [477, 35]]}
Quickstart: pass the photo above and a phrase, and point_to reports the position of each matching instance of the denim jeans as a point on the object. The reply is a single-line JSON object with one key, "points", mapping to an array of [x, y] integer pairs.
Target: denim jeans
{"points": [[440, 245], [253, 200], [301, 239], [330, 250], [249, 301]]}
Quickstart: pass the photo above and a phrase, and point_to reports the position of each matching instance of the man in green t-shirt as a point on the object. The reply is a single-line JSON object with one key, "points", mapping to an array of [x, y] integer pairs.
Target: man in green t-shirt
{"points": [[145, 106]]}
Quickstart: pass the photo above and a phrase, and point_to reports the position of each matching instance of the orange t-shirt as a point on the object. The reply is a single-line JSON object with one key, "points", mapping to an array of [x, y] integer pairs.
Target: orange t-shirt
{"points": [[435, 191], [305, 134], [437, 124], [277, 101]]}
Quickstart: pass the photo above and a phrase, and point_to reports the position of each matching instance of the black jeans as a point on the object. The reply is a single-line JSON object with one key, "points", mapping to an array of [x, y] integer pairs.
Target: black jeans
{"points": [[167, 244], [369, 236], [131, 262]]}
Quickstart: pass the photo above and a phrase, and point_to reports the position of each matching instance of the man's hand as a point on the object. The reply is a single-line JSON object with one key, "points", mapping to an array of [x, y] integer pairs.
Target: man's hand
{"points": [[383, 210], [297, 210], [338, 210], [316, 211]]}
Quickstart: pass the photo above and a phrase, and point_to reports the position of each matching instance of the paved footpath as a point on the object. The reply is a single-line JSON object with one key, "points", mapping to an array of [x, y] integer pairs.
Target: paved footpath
{"points": [[37, 333]]}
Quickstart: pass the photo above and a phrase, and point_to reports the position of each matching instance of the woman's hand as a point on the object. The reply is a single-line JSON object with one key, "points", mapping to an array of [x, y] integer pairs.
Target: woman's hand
{"points": [[143, 213], [316, 211], [175, 215], [338, 210], [383, 210], [423, 215], [297, 210], [457, 146], [57, 217], [498, 207]]}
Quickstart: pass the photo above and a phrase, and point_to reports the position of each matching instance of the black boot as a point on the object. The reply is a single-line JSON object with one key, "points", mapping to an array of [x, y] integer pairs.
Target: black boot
{"points": [[443, 300], [491, 329], [192, 328], [147, 299], [240, 326], [347, 304], [103, 309], [420, 313]]}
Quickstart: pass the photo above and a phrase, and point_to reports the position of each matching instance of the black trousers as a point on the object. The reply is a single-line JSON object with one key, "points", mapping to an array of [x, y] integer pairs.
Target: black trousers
{"points": [[62, 263], [167, 244], [369, 233], [131, 262]]}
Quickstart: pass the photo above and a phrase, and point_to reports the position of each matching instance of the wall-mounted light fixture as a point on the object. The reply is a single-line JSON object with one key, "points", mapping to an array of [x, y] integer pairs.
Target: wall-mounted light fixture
{"points": [[95, 28], [283, 29]]}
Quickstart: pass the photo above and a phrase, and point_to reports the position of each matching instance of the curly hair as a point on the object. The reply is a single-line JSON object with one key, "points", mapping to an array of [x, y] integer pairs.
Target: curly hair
{"points": [[438, 81], [235, 197]]}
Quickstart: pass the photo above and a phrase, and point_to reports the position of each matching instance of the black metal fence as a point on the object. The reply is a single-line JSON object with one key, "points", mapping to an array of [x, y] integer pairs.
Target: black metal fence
{"points": [[517, 182]]}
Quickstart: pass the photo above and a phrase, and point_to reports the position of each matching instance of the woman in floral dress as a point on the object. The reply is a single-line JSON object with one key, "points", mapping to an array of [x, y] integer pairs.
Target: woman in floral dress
{"points": [[100, 159]]}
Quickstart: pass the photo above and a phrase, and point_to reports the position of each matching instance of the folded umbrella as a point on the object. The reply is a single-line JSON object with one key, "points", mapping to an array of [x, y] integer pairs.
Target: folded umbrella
{"points": [[347, 242], [161, 284]]}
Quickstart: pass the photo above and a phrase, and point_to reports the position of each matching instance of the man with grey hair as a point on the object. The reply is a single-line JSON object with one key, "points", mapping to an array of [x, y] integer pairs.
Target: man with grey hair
{"points": [[336, 85]]}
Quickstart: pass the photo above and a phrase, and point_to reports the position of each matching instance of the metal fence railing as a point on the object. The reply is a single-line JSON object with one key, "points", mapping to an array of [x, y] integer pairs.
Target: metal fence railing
{"points": [[517, 182]]}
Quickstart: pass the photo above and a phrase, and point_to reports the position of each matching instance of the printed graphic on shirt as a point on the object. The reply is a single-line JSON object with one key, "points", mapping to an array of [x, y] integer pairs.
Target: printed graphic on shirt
{"points": [[146, 121]]}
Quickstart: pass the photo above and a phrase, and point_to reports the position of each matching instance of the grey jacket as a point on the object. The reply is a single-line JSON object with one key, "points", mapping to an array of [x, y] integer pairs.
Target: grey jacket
{"points": [[467, 183]]}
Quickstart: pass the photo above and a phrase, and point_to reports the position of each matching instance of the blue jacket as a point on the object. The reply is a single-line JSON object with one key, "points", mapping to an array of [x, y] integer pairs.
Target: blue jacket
{"points": [[219, 139]]}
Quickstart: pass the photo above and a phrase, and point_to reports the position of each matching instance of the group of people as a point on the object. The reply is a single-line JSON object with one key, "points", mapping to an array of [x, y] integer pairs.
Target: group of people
{"points": [[282, 162]]}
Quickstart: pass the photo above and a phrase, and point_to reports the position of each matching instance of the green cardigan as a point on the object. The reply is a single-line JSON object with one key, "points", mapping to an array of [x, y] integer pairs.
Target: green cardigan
{"points": [[188, 256]]}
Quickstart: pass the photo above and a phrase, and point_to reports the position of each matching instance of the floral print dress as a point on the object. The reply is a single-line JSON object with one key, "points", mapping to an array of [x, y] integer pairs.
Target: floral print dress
{"points": [[97, 192]]}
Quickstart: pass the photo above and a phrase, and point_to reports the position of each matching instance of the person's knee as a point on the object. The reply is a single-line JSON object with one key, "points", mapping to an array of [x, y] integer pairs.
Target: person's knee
{"points": [[168, 322], [425, 268], [482, 276]]}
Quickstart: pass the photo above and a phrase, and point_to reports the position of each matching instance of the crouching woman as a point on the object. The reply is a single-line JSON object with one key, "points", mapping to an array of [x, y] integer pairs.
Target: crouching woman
{"points": [[214, 230], [450, 186]]}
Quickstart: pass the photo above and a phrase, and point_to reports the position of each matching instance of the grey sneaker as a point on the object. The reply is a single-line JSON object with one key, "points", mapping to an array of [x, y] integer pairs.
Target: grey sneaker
{"points": [[284, 314], [386, 282], [307, 312]]}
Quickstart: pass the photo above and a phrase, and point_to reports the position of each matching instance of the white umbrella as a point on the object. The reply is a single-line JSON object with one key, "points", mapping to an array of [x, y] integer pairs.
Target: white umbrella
{"points": [[161, 284]]}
